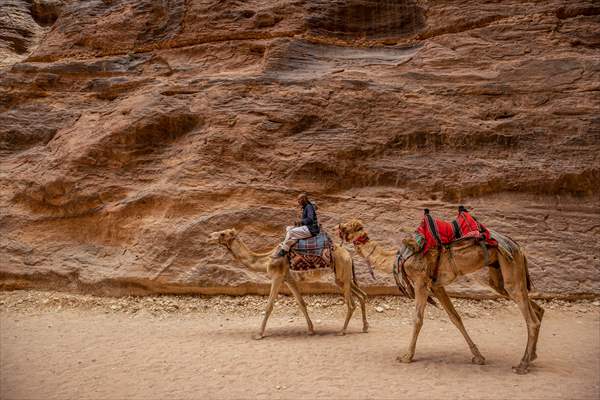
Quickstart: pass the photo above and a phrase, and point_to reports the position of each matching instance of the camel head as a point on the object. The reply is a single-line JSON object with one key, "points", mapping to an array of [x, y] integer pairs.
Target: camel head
{"points": [[351, 230], [222, 237]]}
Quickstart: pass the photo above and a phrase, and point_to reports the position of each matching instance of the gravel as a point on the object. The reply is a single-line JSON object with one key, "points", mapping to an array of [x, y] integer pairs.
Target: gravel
{"points": [[31, 301]]}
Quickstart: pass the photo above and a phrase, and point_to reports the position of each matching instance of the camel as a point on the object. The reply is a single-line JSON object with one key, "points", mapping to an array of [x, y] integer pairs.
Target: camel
{"points": [[279, 271], [508, 276]]}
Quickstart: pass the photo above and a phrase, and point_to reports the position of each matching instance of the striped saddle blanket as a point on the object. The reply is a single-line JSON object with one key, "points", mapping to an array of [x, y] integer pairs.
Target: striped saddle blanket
{"points": [[312, 253]]}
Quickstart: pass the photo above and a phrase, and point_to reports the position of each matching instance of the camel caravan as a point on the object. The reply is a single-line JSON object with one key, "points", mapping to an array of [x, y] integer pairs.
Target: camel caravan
{"points": [[435, 256]]}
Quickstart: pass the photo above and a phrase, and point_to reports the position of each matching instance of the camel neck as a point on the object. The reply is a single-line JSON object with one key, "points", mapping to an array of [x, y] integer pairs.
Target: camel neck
{"points": [[250, 259], [378, 257]]}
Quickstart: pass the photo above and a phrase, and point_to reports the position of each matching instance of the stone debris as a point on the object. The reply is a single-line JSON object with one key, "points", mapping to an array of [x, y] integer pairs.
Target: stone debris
{"points": [[160, 306]]}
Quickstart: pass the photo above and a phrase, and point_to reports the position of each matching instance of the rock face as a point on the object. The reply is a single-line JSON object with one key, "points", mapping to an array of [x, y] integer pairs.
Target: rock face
{"points": [[130, 130]]}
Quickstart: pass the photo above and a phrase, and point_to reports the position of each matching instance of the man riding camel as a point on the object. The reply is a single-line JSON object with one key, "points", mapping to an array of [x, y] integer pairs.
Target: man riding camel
{"points": [[307, 227]]}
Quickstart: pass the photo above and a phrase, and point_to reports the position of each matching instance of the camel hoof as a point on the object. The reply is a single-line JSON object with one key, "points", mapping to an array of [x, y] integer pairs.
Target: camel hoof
{"points": [[341, 333], [311, 333], [521, 370], [479, 360], [365, 328], [258, 336], [405, 359], [533, 357]]}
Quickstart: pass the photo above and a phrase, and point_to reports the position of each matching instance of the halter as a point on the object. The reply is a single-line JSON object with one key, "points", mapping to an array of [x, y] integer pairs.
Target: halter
{"points": [[228, 243], [362, 239]]}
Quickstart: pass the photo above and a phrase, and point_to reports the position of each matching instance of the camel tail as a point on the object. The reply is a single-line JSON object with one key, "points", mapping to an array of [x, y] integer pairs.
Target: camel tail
{"points": [[527, 277]]}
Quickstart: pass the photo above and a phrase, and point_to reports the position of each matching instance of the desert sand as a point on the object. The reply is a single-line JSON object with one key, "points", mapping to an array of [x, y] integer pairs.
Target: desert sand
{"points": [[57, 346]]}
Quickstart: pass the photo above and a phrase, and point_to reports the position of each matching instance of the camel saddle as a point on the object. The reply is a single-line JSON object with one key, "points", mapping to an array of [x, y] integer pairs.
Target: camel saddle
{"points": [[312, 253], [436, 233]]}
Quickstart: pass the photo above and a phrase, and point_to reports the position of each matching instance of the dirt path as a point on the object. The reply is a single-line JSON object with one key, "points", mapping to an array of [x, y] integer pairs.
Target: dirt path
{"points": [[64, 346]]}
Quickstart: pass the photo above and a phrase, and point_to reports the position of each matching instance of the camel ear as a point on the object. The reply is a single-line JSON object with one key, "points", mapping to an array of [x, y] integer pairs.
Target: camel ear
{"points": [[411, 243]]}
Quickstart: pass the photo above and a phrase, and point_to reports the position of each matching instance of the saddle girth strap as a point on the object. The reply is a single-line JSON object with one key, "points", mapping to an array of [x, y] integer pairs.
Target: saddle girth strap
{"points": [[486, 255], [433, 229], [456, 229], [436, 266]]}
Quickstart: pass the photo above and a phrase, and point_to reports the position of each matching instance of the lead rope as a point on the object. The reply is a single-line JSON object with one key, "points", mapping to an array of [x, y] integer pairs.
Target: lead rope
{"points": [[369, 263]]}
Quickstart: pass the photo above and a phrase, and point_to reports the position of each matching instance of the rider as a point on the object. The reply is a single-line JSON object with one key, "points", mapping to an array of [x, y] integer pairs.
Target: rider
{"points": [[307, 227]]}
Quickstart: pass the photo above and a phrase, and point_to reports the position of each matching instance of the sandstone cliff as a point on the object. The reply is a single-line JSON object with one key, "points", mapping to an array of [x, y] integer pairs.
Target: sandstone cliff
{"points": [[129, 130]]}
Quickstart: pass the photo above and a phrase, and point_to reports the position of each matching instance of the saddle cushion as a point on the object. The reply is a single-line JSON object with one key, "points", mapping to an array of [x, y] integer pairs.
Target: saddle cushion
{"points": [[433, 232], [313, 245], [468, 225], [312, 253]]}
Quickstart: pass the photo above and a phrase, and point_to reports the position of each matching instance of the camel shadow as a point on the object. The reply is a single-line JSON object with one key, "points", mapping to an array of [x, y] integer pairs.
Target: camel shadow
{"points": [[295, 333]]}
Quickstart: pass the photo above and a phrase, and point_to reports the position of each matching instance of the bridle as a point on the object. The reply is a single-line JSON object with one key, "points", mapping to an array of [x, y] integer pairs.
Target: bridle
{"points": [[361, 240], [227, 243]]}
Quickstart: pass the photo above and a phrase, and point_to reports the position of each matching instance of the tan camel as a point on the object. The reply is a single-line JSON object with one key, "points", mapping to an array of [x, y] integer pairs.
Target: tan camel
{"points": [[279, 271], [508, 276]]}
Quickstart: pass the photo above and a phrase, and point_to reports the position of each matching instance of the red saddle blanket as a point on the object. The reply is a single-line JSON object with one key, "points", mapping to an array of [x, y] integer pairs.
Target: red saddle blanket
{"points": [[436, 232], [306, 262]]}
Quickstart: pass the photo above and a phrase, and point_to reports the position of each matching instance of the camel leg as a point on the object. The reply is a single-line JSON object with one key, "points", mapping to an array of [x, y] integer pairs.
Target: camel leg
{"points": [[359, 290], [539, 312], [496, 283], [533, 327], [442, 296], [291, 283], [275, 285], [351, 306], [516, 286], [421, 294], [363, 309]]}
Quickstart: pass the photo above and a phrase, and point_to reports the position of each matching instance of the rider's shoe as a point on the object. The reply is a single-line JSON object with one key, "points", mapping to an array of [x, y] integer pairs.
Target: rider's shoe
{"points": [[280, 253]]}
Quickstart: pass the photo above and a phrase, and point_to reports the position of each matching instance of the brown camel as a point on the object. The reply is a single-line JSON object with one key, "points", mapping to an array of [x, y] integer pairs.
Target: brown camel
{"points": [[508, 276], [279, 271]]}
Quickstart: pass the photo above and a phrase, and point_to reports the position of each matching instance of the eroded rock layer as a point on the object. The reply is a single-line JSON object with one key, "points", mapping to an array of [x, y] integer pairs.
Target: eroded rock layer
{"points": [[130, 130]]}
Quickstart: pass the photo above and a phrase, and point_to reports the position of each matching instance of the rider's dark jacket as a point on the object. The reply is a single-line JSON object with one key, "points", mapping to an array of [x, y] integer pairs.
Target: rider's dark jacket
{"points": [[309, 218]]}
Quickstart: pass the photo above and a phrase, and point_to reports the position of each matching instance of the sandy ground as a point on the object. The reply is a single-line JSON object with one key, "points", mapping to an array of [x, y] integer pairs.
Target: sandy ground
{"points": [[55, 345]]}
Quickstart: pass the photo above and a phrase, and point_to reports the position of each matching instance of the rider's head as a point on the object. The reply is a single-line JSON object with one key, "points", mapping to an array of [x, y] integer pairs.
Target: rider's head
{"points": [[302, 199]]}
